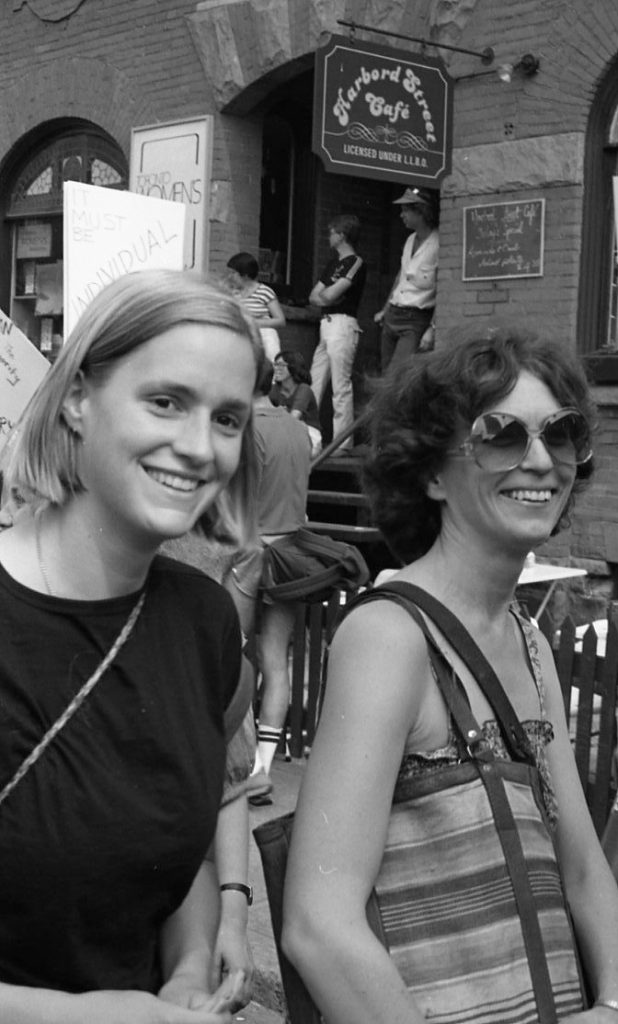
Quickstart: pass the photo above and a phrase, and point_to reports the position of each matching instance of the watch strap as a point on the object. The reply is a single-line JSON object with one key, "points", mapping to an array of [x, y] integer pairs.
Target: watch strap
{"points": [[247, 890]]}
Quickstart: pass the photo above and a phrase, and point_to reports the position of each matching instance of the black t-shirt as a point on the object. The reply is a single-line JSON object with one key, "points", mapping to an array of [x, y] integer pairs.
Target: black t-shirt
{"points": [[100, 841], [355, 270]]}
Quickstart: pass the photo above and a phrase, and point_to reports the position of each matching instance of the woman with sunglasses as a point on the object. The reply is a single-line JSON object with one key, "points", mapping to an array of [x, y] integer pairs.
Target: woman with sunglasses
{"points": [[476, 453], [292, 389]]}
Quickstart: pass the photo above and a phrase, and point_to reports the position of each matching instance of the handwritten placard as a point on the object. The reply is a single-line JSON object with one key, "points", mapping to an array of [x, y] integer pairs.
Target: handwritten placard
{"points": [[22, 368], [108, 233], [34, 239], [173, 161], [503, 240]]}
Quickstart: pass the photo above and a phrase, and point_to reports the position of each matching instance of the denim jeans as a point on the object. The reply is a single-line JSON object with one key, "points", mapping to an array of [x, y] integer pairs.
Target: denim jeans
{"points": [[402, 330]]}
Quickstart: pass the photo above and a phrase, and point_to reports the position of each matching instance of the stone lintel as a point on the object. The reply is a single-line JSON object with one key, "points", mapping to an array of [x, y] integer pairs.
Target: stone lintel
{"points": [[540, 162]]}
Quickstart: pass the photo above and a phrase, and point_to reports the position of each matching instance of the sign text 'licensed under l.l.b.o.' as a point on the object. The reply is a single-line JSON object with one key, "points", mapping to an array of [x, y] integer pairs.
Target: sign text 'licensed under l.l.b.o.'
{"points": [[379, 114]]}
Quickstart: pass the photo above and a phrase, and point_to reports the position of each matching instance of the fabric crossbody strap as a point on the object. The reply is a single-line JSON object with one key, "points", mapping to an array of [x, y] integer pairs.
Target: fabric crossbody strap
{"points": [[412, 597], [75, 703]]}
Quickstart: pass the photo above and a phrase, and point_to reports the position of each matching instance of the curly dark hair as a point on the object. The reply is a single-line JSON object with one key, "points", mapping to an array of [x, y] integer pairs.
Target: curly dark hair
{"points": [[415, 415], [295, 362]]}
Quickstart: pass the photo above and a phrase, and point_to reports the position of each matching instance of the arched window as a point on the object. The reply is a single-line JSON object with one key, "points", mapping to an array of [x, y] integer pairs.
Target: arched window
{"points": [[33, 214], [598, 288], [76, 157], [611, 339]]}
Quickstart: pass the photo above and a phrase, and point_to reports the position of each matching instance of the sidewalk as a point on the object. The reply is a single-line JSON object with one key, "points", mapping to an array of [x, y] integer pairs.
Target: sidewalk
{"points": [[268, 1006]]}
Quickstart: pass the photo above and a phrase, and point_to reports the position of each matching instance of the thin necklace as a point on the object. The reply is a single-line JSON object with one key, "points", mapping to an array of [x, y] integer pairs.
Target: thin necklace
{"points": [[42, 566]]}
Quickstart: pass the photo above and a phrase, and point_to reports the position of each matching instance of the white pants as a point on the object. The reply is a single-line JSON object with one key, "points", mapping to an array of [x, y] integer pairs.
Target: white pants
{"points": [[334, 357], [270, 341], [316, 440]]}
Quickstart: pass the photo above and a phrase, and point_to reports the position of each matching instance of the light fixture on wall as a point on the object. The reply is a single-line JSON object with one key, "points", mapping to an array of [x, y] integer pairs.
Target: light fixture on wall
{"points": [[527, 65]]}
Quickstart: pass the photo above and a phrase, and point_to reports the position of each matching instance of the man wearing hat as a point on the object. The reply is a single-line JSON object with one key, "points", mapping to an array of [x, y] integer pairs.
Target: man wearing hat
{"points": [[409, 309]]}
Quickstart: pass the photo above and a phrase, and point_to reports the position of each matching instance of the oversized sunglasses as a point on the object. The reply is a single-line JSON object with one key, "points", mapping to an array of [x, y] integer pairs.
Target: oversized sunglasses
{"points": [[499, 441]]}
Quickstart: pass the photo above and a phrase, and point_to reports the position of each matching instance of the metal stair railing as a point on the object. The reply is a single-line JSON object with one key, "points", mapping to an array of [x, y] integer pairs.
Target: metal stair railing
{"points": [[336, 442]]}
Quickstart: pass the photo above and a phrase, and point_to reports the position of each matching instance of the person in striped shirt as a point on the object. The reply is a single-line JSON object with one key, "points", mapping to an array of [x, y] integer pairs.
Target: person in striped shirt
{"points": [[258, 300]]}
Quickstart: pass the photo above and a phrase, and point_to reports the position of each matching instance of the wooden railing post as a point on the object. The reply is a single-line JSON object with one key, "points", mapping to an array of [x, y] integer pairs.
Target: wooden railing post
{"points": [[592, 680]]}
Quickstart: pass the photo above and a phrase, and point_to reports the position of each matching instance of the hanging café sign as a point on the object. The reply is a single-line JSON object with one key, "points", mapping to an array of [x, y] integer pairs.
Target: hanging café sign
{"points": [[378, 114]]}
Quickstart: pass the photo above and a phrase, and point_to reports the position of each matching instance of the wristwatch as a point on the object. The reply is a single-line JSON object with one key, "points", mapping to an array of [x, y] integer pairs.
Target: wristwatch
{"points": [[247, 890]]}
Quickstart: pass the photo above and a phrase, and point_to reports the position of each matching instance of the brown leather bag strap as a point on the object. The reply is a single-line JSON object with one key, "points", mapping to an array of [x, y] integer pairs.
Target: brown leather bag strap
{"points": [[471, 654]]}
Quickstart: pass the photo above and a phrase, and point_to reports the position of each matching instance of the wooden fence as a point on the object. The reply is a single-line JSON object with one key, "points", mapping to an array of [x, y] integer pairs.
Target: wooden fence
{"points": [[587, 678]]}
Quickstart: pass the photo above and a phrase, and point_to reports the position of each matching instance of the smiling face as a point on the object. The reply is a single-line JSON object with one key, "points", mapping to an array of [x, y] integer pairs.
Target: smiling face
{"points": [[514, 510], [161, 437]]}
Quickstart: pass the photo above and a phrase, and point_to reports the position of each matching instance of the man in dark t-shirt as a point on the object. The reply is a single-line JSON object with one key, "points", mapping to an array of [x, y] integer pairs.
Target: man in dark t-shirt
{"points": [[338, 292]]}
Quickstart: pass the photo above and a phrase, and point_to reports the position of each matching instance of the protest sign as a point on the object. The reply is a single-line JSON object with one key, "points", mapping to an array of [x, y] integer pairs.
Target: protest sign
{"points": [[22, 368], [108, 233], [172, 160]]}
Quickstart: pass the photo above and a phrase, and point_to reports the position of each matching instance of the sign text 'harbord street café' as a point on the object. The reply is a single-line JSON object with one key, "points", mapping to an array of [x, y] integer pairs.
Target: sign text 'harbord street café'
{"points": [[378, 114]]}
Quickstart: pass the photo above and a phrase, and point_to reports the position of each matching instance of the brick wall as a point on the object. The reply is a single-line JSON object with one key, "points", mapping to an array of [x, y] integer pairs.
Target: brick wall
{"points": [[548, 303], [104, 61], [117, 65]]}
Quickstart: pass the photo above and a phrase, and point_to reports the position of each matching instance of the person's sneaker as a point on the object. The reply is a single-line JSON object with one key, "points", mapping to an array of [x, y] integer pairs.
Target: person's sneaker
{"points": [[259, 788]]}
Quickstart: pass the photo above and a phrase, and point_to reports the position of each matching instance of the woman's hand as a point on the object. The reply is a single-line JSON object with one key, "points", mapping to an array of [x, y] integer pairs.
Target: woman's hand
{"points": [[185, 991], [129, 1007], [232, 994], [427, 341], [233, 956]]}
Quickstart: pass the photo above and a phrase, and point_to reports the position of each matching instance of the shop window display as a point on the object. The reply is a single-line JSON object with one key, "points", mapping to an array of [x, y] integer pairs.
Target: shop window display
{"points": [[36, 237]]}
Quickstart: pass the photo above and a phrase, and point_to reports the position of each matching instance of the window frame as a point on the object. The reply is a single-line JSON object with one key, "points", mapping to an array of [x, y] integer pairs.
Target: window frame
{"points": [[55, 145], [600, 164]]}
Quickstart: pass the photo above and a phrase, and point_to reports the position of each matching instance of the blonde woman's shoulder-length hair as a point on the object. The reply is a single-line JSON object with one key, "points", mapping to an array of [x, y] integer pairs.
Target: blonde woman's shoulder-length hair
{"points": [[40, 464]]}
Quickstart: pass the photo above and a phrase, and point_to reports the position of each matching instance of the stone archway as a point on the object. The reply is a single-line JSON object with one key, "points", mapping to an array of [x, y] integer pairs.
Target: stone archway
{"points": [[246, 46], [243, 43]]}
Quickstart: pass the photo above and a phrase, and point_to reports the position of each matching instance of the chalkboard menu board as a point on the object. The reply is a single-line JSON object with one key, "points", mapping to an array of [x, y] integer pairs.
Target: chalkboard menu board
{"points": [[503, 240]]}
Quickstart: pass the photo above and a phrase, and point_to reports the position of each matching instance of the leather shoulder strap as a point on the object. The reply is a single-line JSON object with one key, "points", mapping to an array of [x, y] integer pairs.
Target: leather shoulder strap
{"points": [[449, 684], [472, 656]]}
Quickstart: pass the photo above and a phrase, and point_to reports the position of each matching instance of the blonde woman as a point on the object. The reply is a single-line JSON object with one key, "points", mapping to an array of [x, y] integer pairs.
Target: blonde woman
{"points": [[116, 664]]}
